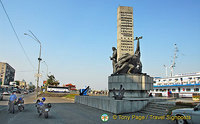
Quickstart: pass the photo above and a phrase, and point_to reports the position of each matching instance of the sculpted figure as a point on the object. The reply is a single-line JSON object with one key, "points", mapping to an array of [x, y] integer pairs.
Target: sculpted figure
{"points": [[123, 65], [114, 58], [127, 64]]}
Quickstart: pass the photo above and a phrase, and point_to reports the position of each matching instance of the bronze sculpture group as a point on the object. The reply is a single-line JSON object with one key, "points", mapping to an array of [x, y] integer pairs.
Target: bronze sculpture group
{"points": [[127, 64]]}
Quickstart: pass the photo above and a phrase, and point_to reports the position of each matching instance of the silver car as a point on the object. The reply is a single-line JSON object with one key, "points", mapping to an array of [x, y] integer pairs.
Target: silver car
{"points": [[187, 115]]}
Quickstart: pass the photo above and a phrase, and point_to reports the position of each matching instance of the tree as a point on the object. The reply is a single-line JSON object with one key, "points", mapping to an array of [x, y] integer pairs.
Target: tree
{"points": [[32, 87], [56, 83], [52, 81], [17, 83]]}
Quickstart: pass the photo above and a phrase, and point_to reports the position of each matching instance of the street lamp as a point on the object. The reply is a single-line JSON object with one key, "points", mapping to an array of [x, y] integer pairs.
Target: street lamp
{"points": [[39, 59]]}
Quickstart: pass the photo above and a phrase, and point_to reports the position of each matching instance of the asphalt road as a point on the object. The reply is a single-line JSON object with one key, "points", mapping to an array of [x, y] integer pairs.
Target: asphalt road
{"points": [[64, 111]]}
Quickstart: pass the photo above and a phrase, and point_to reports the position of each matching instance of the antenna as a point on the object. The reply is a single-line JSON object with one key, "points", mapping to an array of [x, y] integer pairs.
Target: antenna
{"points": [[173, 61]]}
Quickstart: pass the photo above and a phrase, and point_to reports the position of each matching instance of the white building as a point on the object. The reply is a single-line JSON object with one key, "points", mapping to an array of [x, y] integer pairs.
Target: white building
{"points": [[185, 85]]}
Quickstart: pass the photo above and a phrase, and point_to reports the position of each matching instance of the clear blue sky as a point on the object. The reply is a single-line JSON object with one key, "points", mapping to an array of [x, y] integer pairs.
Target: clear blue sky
{"points": [[77, 36]]}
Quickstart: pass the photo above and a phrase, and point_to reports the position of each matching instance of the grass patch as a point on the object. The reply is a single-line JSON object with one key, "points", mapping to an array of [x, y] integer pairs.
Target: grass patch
{"points": [[180, 105], [71, 96], [52, 94], [45, 92], [175, 107]]}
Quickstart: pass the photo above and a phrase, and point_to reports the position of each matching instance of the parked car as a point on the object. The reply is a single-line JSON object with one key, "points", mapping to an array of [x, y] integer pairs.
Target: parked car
{"points": [[18, 91], [14, 90], [25, 92], [6, 93], [1, 96], [187, 115]]}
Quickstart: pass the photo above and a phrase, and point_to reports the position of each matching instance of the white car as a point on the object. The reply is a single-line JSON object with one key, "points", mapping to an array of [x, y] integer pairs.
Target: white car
{"points": [[187, 115], [6, 93]]}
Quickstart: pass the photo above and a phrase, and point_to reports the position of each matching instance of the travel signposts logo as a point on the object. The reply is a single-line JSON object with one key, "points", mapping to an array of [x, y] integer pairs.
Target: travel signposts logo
{"points": [[104, 117]]}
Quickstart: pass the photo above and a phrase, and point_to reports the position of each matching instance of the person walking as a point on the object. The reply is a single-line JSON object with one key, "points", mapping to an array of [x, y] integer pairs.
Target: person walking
{"points": [[11, 102], [168, 93]]}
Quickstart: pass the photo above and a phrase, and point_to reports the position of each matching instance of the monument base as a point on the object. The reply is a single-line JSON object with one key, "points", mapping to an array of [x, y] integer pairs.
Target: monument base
{"points": [[135, 85], [108, 104]]}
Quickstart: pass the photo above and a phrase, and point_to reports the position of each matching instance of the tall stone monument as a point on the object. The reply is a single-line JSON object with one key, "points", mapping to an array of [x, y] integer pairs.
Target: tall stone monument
{"points": [[125, 42], [127, 84], [127, 67]]}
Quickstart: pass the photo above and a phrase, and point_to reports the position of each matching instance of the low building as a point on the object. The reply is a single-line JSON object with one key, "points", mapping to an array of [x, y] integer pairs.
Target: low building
{"points": [[70, 86], [7, 73], [21, 84]]}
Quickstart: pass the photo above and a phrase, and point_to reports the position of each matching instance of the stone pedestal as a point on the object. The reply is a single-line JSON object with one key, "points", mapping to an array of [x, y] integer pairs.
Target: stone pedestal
{"points": [[135, 85], [110, 105]]}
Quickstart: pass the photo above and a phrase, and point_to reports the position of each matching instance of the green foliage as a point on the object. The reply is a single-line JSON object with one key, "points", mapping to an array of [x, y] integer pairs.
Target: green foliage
{"points": [[17, 83], [52, 81], [32, 87], [185, 104], [198, 96], [71, 96]]}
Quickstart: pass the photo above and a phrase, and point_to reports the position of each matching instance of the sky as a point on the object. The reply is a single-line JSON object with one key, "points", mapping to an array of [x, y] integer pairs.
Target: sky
{"points": [[77, 37]]}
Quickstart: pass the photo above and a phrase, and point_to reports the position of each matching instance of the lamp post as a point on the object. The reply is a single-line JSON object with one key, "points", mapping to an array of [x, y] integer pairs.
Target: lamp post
{"points": [[39, 59]]}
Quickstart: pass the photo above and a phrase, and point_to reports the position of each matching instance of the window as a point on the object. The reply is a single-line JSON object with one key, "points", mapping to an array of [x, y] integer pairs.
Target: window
{"points": [[196, 89], [156, 90], [160, 90], [188, 89]]}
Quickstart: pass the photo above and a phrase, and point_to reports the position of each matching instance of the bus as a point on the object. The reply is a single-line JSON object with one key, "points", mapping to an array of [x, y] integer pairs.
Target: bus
{"points": [[58, 89]]}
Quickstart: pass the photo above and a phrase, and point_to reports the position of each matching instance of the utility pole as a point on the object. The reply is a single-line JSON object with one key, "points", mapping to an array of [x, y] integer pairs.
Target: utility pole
{"points": [[173, 62]]}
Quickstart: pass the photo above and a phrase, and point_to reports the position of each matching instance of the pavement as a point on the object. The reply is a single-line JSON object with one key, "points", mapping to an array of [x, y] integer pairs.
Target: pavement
{"points": [[65, 111]]}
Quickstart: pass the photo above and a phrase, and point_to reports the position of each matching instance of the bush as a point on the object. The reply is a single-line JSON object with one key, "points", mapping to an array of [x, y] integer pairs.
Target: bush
{"points": [[196, 96], [185, 104]]}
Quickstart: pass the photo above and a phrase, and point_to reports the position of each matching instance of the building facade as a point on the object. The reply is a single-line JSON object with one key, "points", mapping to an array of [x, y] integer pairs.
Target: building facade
{"points": [[184, 85], [7, 73], [125, 38]]}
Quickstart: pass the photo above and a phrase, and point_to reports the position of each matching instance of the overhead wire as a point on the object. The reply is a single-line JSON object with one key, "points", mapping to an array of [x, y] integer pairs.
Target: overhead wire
{"points": [[17, 36]]}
